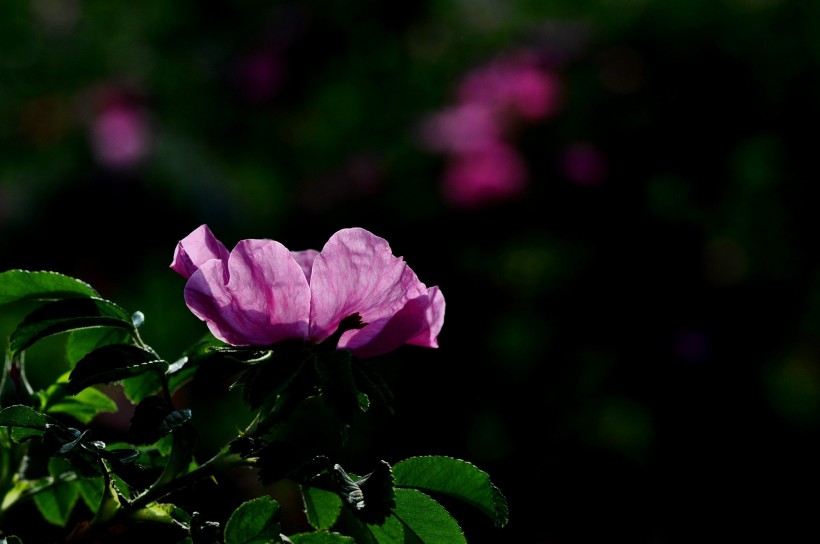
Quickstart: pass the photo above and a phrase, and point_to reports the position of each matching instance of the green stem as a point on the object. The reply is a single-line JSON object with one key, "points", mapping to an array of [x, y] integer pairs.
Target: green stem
{"points": [[219, 462]]}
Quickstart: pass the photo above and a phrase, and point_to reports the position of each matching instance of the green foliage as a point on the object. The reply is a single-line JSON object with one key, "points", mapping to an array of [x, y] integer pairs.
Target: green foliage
{"points": [[321, 507], [456, 478], [254, 522], [25, 422], [321, 538], [425, 520], [84, 406], [67, 315], [305, 398], [17, 285], [112, 363]]}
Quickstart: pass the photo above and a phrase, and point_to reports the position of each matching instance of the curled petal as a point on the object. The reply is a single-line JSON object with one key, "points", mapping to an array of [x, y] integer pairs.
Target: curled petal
{"points": [[418, 323], [195, 250], [433, 320], [356, 272], [266, 298]]}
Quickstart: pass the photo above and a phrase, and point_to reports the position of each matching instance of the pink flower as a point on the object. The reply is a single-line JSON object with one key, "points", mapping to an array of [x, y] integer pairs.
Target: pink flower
{"points": [[515, 82], [120, 136], [261, 293], [491, 175]]}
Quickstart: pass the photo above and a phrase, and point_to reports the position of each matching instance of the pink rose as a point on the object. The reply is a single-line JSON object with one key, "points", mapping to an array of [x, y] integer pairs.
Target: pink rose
{"points": [[261, 293]]}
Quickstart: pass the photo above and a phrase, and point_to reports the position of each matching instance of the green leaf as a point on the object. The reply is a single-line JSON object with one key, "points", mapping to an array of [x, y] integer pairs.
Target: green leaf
{"points": [[455, 478], [91, 491], [138, 388], [321, 538], [25, 422], [67, 315], [22, 416], [84, 406], [112, 363], [24, 285], [254, 522], [389, 532], [426, 520], [81, 342], [322, 507], [55, 503]]}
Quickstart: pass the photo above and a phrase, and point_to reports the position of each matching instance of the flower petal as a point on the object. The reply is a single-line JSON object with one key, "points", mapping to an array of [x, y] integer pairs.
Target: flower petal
{"points": [[433, 320], [266, 298], [356, 272], [305, 259], [418, 323], [196, 249]]}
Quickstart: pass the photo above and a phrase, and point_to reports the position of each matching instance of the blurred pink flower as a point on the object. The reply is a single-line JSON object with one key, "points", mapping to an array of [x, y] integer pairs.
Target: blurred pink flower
{"points": [[120, 137], [467, 127], [260, 293], [513, 83], [479, 178]]}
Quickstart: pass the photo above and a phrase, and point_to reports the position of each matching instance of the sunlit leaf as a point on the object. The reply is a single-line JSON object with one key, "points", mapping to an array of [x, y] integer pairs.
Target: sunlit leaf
{"points": [[139, 388], [84, 406], [91, 491], [22, 416], [25, 285], [112, 363], [322, 507], [425, 520], [254, 522], [455, 478], [56, 502], [67, 315], [321, 538]]}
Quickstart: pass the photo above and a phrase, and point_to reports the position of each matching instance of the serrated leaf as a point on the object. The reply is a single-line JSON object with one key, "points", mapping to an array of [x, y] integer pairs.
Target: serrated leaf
{"points": [[18, 285], [55, 503], [321, 507], [321, 538], [67, 315], [254, 522], [81, 342], [22, 416], [455, 478], [112, 363], [425, 519]]}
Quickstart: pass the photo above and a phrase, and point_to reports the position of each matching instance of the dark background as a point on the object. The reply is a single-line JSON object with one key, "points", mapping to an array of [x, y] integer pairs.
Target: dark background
{"points": [[631, 351]]}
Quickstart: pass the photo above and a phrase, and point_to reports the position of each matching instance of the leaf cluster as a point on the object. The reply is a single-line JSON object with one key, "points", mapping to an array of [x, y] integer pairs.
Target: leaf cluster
{"points": [[305, 399]]}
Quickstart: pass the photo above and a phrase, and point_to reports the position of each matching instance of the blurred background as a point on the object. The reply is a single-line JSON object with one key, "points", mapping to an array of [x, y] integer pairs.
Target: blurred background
{"points": [[617, 199]]}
